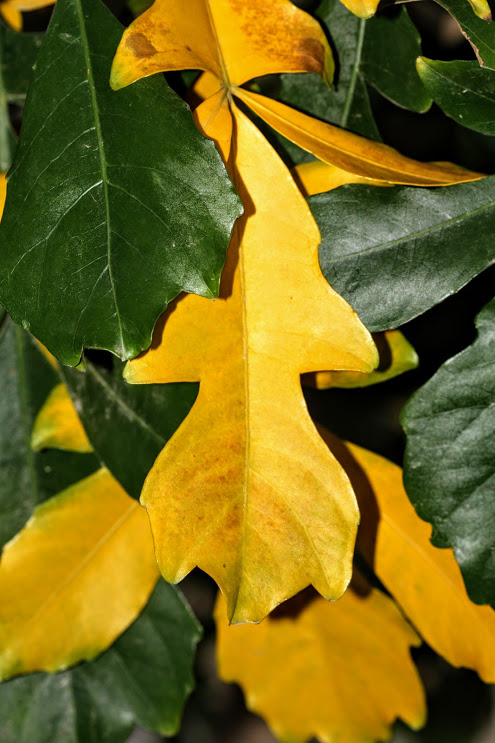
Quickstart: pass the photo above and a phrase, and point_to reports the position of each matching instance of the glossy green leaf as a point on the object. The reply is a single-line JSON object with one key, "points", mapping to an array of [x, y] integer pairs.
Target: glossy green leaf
{"points": [[480, 33], [450, 457], [463, 90], [380, 51], [116, 202], [28, 478], [128, 425], [144, 679], [18, 52], [395, 252]]}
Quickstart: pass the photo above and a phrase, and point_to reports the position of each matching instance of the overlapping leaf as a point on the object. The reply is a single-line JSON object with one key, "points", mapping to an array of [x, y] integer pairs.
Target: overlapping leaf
{"points": [[425, 581], [478, 31], [143, 679], [463, 90], [18, 53], [397, 262], [253, 497], [337, 671], [450, 455], [11, 10], [145, 216]]}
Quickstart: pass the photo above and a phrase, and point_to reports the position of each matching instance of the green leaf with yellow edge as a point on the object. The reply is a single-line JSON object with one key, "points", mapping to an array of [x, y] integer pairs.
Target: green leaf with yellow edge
{"points": [[143, 679], [425, 581], [84, 560], [58, 426], [336, 671], [396, 357], [28, 477], [252, 495]]}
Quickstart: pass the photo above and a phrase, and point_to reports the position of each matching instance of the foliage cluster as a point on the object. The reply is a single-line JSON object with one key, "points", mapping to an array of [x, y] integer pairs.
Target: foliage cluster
{"points": [[268, 239]]}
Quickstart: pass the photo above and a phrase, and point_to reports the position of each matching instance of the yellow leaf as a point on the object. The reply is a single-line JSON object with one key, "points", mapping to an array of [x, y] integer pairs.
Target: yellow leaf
{"points": [[30, 5], [235, 41], [3, 191], [318, 177], [482, 9], [57, 424], [13, 17], [424, 580], [339, 671], [349, 151], [74, 578], [246, 489], [362, 8], [398, 353]]}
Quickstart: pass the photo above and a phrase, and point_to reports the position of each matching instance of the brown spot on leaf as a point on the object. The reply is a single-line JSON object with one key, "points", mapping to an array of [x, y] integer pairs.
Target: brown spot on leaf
{"points": [[140, 45], [313, 53]]}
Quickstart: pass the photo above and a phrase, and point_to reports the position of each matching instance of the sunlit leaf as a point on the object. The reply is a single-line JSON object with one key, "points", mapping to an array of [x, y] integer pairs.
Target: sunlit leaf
{"points": [[397, 356], [337, 671], [224, 37], [463, 90], [143, 679], [144, 216], [450, 457], [350, 151], [74, 578], [58, 426], [425, 581], [251, 494], [413, 250]]}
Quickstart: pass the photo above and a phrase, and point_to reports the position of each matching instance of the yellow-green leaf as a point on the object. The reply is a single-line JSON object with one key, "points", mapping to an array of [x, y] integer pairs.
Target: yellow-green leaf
{"points": [[57, 425], [225, 37], [482, 9], [246, 489], [399, 357], [349, 151], [424, 580], [338, 671], [74, 578], [361, 8]]}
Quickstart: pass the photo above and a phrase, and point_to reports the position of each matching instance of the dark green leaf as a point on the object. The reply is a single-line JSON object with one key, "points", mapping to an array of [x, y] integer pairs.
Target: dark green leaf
{"points": [[18, 52], [144, 679], [381, 51], [128, 425], [395, 252], [28, 478], [116, 202], [463, 90], [450, 457], [480, 33]]}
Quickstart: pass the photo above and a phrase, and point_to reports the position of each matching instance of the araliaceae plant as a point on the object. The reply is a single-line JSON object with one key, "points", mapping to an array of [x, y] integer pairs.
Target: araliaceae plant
{"points": [[267, 239]]}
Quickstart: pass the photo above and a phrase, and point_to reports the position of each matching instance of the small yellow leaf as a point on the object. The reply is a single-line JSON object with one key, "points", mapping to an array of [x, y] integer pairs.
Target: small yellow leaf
{"points": [[339, 671], [319, 177], [27, 5], [234, 40], [401, 358], [3, 191], [424, 580], [246, 489], [57, 424], [350, 151], [482, 9], [13, 17], [74, 578], [361, 8]]}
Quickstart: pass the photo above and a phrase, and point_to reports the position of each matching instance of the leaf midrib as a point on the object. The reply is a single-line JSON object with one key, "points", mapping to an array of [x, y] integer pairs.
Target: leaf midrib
{"points": [[354, 74], [103, 163]]}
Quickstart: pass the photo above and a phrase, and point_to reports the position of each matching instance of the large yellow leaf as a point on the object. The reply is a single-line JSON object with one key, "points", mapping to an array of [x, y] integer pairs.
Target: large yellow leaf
{"points": [[318, 177], [234, 40], [57, 424], [349, 151], [74, 578], [400, 357], [338, 671], [246, 489], [424, 580]]}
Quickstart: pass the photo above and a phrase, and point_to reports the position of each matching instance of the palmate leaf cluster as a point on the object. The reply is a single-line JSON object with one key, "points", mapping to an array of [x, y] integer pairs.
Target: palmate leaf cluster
{"points": [[119, 209]]}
